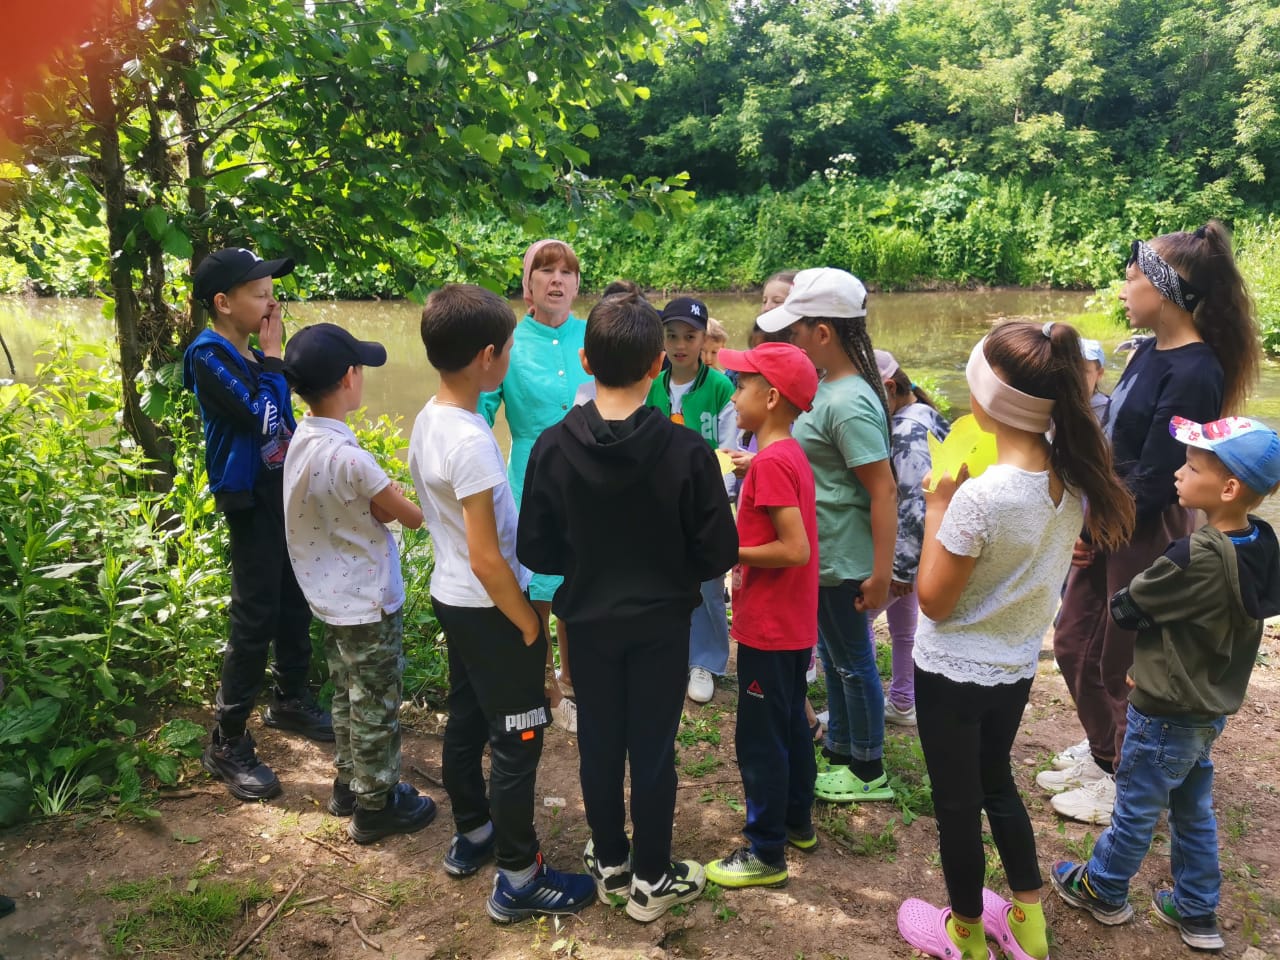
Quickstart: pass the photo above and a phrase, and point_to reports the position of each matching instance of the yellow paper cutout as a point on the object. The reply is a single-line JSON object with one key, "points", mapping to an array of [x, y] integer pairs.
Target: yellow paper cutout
{"points": [[726, 462], [966, 444]]}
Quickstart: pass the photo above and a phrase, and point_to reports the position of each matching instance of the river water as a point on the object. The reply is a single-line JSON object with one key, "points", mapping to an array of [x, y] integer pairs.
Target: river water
{"points": [[930, 334]]}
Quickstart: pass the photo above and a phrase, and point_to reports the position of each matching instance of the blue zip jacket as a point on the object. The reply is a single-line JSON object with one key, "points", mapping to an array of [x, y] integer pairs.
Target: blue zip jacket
{"points": [[247, 413]]}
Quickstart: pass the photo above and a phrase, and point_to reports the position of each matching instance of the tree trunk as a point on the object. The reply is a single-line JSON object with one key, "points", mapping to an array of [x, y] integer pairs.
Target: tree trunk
{"points": [[103, 107], [187, 103]]}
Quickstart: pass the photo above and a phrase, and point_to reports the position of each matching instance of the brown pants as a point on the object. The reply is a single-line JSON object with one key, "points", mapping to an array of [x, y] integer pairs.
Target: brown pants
{"points": [[1093, 653]]}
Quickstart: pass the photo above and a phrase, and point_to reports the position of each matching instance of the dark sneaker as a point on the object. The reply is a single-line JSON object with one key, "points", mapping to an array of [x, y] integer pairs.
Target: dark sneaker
{"points": [[1072, 883], [550, 891], [743, 868], [7, 906], [1198, 933], [805, 840], [404, 813], [235, 762], [300, 715], [682, 883], [342, 802], [613, 884], [465, 857]]}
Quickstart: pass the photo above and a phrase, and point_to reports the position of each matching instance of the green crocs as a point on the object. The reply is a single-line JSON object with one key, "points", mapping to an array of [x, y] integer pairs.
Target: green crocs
{"points": [[839, 785]]}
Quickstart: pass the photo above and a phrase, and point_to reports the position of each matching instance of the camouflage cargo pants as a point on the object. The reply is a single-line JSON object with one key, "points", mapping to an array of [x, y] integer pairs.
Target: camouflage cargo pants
{"points": [[366, 663]]}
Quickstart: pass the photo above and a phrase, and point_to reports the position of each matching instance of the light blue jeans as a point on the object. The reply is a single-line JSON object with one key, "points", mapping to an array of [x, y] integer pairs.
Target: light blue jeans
{"points": [[855, 700], [1164, 765], [709, 630]]}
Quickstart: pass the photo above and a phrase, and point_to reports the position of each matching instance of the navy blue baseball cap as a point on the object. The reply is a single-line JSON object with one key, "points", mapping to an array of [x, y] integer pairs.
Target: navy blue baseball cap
{"points": [[318, 356], [219, 272], [688, 310]]}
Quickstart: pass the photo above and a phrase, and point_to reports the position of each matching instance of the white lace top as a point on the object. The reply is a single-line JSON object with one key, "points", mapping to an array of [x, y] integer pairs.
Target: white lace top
{"points": [[1023, 543]]}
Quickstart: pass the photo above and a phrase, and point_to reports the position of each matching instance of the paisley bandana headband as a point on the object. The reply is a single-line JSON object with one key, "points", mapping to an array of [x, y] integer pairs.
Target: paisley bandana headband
{"points": [[1004, 403], [1163, 277]]}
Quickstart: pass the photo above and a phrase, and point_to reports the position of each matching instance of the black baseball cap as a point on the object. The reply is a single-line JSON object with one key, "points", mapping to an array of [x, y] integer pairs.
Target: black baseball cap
{"points": [[219, 272], [687, 309], [318, 356]]}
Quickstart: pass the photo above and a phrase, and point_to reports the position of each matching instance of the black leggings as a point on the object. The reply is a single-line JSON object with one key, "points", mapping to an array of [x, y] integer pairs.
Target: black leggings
{"points": [[967, 731]]}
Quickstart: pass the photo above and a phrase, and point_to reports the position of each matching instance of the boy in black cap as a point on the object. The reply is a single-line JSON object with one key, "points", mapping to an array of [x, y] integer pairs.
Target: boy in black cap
{"points": [[337, 501], [700, 397], [248, 421]]}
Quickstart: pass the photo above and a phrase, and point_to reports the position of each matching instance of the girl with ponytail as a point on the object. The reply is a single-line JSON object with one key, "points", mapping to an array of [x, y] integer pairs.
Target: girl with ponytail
{"points": [[1201, 364], [846, 438], [995, 551]]}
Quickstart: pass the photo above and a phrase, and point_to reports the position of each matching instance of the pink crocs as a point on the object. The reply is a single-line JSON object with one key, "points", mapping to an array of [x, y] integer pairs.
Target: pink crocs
{"points": [[995, 920], [924, 926]]}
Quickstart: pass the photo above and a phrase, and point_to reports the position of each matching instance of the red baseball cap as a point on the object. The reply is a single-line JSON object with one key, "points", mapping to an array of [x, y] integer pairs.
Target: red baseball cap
{"points": [[785, 366]]}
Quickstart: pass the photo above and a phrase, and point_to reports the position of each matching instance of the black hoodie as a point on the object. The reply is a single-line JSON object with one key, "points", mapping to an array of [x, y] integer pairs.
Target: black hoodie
{"points": [[632, 513]]}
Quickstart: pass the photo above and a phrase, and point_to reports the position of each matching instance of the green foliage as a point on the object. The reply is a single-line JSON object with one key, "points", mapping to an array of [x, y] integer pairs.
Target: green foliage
{"points": [[114, 603]]}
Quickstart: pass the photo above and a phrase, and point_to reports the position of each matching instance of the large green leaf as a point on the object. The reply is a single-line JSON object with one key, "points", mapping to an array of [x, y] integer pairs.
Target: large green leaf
{"points": [[15, 799], [23, 724]]}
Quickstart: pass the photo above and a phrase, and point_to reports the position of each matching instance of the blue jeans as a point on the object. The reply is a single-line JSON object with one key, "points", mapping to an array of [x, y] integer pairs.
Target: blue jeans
{"points": [[855, 699], [1164, 765], [709, 630]]}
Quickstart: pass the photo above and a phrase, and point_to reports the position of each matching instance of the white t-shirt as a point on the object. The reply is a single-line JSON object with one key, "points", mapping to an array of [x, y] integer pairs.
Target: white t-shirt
{"points": [[453, 455], [1023, 543], [346, 562]]}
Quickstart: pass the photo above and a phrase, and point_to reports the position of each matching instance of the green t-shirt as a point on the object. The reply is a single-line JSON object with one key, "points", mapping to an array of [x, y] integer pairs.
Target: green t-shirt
{"points": [[845, 429]]}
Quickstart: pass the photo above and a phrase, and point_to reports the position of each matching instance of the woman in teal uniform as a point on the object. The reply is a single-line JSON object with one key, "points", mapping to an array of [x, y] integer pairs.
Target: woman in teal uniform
{"points": [[538, 391]]}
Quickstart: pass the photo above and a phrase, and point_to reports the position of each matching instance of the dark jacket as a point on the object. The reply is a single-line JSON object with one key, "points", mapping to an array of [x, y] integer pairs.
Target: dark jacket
{"points": [[247, 413], [633, 514], [1199, 611], [1157, 385]]}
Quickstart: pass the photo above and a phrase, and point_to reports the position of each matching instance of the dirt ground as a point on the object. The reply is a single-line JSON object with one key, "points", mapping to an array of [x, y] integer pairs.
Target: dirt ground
{"points": [[841, 900]]}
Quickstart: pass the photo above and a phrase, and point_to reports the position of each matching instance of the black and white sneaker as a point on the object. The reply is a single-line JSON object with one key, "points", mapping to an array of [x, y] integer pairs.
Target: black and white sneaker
{"points": [[682, 883], [613, 884], [1198, 933]]}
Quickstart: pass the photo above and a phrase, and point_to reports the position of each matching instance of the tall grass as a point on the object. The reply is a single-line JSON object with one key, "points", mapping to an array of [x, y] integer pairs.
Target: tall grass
{"points": [[113, 608]]}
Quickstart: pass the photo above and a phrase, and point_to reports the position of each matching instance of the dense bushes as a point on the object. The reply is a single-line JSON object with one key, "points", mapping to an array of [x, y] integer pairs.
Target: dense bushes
{"points": [[112, 595], [956, 229]]}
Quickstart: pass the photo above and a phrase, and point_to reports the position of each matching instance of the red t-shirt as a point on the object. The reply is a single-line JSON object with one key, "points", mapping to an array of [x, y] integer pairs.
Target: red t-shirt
{"points": [[776, 608]]}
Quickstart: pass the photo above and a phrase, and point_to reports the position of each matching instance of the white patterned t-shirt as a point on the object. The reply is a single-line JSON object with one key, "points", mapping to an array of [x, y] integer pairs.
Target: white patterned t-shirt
{"points": [[345, 561], [1023, 545]]}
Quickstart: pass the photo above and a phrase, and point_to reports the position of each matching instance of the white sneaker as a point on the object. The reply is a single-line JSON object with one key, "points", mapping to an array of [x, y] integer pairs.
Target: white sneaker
{"points": [[903, 718], [565, 715], [1084, 772], [566, 686], [811, 675], [682, 882], [1069, 757], [1091, 803], [702, 685]]}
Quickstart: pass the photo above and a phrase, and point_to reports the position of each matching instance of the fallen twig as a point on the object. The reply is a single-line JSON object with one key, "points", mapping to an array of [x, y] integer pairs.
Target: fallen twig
{"points": [[361, 934], [426, 776], [265, 923], [332, 849], [310, 900], [708, 783], [361, 893]]}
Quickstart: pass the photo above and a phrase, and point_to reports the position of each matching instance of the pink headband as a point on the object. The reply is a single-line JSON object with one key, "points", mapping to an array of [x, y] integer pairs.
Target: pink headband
{"points": [[528, 268], [1006, 404]]}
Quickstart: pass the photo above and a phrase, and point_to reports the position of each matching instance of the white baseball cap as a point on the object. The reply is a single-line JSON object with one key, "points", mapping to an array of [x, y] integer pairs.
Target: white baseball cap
{"points": [[818, 292]]}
